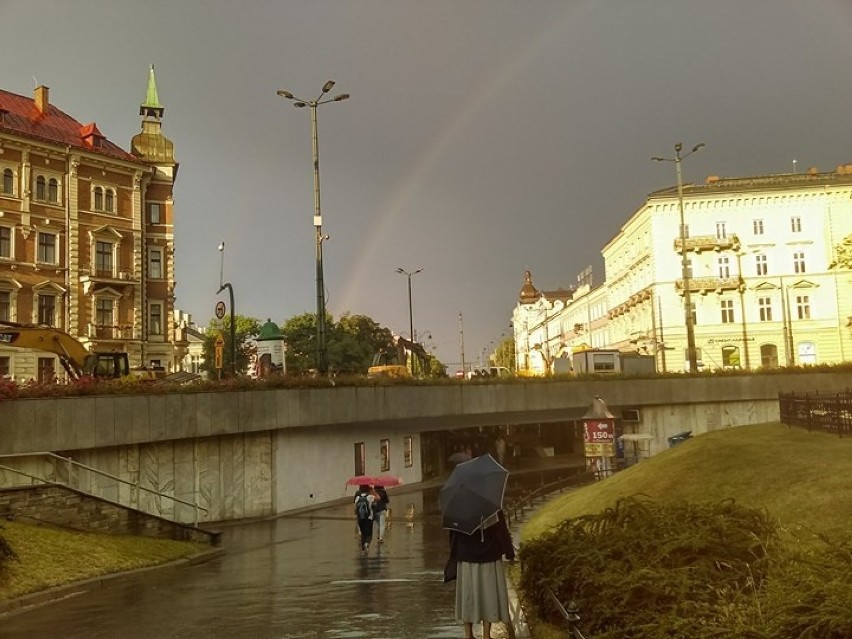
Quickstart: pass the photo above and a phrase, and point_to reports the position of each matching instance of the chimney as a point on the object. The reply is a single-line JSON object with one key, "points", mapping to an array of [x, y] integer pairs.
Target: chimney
{"points": [[42, 98]]}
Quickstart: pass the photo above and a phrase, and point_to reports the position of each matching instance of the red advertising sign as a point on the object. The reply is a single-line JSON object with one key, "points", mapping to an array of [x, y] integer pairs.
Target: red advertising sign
{"points": [[599, 438]]}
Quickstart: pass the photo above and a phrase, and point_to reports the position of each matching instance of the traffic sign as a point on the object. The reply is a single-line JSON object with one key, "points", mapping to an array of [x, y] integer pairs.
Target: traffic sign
{"points": [[220, 309], [220, 339]]}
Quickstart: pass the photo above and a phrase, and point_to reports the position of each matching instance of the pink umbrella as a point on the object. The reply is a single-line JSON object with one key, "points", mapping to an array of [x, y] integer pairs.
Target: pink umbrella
{"points": [[373, 480]]}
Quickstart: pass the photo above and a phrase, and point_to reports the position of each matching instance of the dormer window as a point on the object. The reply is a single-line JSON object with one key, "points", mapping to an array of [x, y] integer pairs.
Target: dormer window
{"points": [[91, 136]]}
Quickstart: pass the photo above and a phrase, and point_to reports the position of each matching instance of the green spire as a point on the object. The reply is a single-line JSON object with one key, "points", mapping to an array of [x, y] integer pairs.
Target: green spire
{"points": [[152, 99], [151, 109]]}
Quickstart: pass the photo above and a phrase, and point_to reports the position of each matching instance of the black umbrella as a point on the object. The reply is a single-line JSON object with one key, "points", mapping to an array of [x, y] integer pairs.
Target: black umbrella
{"points": [[473, 493]]}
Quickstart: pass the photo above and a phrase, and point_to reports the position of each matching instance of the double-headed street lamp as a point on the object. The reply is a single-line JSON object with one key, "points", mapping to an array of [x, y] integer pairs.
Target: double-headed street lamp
{"points": [[687, 294], [322, 360], [408, 274]]}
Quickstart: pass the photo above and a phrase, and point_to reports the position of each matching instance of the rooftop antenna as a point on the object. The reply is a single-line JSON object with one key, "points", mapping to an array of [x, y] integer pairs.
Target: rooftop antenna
{"points": [[794, 165], [35, 83]]}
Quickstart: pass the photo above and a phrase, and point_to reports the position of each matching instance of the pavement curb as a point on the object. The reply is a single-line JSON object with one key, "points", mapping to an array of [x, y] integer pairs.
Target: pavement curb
{"points": [[32, 600]]}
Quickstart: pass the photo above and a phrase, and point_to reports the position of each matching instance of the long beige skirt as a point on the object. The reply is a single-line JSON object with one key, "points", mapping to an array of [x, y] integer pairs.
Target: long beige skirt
{"points": [[481, 593]]}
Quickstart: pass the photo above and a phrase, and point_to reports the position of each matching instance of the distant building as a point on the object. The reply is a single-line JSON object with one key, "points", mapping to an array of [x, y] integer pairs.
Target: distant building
{"points": [[86, 234], [769, 271]]}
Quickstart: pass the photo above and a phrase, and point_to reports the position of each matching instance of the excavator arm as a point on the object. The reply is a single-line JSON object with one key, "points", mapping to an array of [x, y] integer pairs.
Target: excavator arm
{"points": [[73, 356]]}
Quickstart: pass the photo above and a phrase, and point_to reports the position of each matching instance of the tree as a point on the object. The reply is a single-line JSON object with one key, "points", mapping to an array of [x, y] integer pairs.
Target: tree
{"points": [[353, 342], [300, 334], [504, 355], [246, 329]]}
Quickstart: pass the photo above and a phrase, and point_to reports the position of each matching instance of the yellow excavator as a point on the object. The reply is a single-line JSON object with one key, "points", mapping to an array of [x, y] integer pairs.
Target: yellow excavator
{"points": [[75, 359]]}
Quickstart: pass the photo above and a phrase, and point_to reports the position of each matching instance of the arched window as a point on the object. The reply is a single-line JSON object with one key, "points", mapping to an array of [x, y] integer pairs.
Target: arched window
{"points": [[40, 188], [99, 199], [53, 191], [8, 182], [769, 356], [730, 357], [110, 201]]}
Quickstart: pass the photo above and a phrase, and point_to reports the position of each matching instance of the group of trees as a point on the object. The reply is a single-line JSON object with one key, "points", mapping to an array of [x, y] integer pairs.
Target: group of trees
{"points": [[351, 343]]}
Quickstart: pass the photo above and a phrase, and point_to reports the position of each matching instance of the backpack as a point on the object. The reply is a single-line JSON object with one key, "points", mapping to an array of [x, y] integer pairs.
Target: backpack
{"points": [[362, 507]]}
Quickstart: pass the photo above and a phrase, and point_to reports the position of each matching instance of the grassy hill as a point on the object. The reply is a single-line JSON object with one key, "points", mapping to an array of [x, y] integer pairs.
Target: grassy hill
{"points": [[743, 532], [804, 479]]}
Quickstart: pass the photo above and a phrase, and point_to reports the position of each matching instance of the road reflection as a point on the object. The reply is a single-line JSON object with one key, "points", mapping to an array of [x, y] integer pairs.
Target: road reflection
{"points": [[289, 577]]}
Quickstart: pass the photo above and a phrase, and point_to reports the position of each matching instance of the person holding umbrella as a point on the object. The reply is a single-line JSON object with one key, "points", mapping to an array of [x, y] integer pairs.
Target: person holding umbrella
{"points": [[364, 499], [471, 507]]}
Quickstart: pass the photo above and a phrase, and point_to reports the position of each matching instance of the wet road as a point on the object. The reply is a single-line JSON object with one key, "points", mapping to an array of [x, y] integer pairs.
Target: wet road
{"points": [[285, 578]]}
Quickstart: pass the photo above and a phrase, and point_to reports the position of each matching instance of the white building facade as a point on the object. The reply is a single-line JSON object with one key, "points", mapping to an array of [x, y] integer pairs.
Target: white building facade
{"points": [[769, 269]]}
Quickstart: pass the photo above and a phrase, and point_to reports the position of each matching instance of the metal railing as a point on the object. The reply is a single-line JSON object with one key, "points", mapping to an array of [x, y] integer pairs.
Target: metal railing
{"points": [[515, 508], [569, 614], [828, 412], [70, 464]]}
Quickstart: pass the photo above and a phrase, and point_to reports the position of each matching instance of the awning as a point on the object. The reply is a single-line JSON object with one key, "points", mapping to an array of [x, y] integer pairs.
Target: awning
{"points": [[636, 437]]}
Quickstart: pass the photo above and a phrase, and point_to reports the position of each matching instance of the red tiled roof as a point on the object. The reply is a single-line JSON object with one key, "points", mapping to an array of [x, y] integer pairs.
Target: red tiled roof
{"points": [[22, 117]]}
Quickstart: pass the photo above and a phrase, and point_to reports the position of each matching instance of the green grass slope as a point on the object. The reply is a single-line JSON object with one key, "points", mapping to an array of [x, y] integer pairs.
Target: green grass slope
{"points": [[804, 479]]}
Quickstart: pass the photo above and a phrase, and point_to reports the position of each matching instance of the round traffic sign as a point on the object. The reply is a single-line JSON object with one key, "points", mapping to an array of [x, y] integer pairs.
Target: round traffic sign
{"points": [[220, 309]]}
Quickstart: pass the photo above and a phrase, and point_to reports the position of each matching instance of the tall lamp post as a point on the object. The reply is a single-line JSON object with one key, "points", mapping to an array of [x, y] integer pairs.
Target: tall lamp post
{"points": [[222, 287], [322, 360], [691, 354], [408, 274]]}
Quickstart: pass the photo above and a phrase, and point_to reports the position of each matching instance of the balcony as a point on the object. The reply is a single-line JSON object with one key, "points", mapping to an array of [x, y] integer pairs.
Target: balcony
{"points": [[107, 332], [90, 278], [706, 285], [709, 243]]}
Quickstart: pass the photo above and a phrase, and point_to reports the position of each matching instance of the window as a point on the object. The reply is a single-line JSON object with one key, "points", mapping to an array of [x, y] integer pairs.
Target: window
{"points": [[360, 459], [5, 366], [798, 262], [99, 199], [5, 242], [109, 201], [803, 306], [724, 267], [693, 314], [41, 189], [384, 453], [155, 319], [764, 305], [769, 356], [46, 370], [721, 233], [53, 191], [603, 362], [408, 453], [727, 311], [154, 213], [47, 248], [684, 230], [730, 357], [760, 265], [5, 306], [8, 182], [155, 263], [796, 224], [104, 259], [104, 312], [47, 309], [689, 267], [757, 226]]}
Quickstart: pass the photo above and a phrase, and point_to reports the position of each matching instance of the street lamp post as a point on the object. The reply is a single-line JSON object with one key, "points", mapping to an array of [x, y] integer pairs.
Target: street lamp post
{"points": [[687, 294], [408, 274], [222, 287], [322, 360]]}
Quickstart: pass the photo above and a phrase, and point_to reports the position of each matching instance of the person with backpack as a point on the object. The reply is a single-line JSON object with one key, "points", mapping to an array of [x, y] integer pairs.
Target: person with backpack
{"points": [[380, 511], [364, 515]]}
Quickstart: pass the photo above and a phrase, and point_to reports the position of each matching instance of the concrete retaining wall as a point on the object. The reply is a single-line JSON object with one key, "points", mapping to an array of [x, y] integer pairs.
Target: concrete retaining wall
{"points": [[63, 506]]}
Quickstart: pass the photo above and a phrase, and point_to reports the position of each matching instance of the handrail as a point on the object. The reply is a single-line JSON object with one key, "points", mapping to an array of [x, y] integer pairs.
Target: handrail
{"points": [[72, 463], [512, 510], [570, 614]]}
